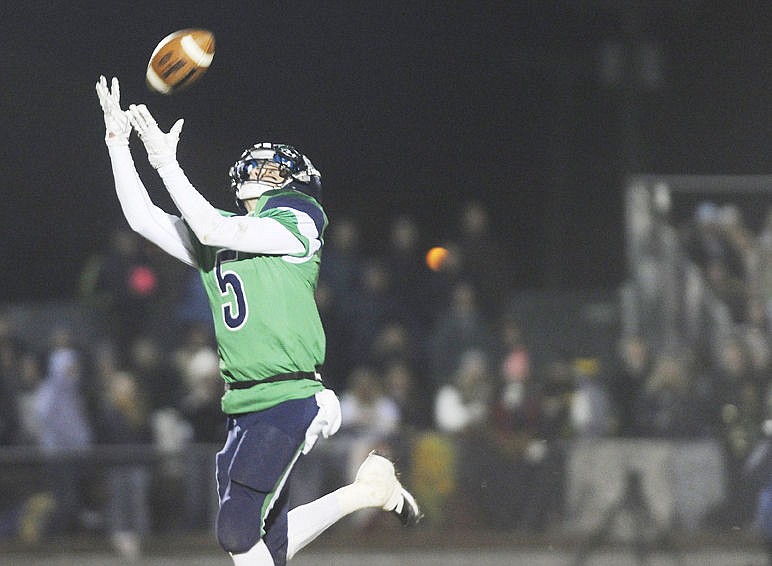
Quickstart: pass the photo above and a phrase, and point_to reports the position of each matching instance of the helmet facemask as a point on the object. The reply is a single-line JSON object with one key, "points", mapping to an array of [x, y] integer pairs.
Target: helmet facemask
{"points": [[267, 166], [257, 171]]}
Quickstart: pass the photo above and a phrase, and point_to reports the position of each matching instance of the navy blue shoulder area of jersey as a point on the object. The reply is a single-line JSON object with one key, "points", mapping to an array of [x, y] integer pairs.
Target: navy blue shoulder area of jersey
{"points": [[301, 204]]}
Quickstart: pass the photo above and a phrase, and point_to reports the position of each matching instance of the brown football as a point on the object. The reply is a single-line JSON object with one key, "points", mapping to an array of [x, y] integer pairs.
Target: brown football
{"points": [[179, 60]]}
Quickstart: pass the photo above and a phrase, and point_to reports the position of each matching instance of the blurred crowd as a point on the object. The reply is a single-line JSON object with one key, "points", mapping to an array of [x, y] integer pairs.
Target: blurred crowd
{"points": [[417, 355]]}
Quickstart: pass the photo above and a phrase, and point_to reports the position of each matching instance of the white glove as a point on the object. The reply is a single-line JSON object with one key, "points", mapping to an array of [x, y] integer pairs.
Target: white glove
{"points": [[161, 147], [117, 125], [327, 420]]}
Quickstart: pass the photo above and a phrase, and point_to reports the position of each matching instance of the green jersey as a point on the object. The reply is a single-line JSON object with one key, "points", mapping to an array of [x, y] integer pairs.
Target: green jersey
{"points": [[265, 316]]}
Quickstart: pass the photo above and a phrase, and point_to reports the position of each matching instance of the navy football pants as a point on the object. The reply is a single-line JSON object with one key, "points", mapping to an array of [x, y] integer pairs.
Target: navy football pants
{"points": [[253, 471]]}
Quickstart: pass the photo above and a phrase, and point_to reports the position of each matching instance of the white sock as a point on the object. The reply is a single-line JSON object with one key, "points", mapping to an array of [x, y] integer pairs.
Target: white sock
{"points": [[306, 522], [258, 555]]}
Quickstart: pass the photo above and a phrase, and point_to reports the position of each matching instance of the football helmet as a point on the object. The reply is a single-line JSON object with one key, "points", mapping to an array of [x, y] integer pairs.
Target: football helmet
{"points": [[269, 166]]}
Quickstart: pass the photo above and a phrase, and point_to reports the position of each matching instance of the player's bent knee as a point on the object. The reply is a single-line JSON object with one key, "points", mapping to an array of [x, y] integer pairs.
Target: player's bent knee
{"points": [[234, 534]]}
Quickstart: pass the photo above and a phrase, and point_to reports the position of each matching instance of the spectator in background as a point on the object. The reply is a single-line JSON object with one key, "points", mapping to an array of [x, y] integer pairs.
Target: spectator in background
{"points": [[371, 306], [740, 402], [395, 356], [729, 288], [765, 264], [200, 402], [130, 287], [394, 341], [592, 414], [200, 408], [755, 338], [115, 282], [65, 429], [195, 339], [740, 391], [720, 244], [194, 361], [26, 399], [556, 395], [124, 421], [163, 302], [525, 454], [460, 328], [11, 354], [518, 405], [157, 378], [462, 409], [337, 365], [405, 259], [706, 242], [515, 391], [342, 263], [740, 242], [192, 304], [463, 405], [486, 264], [633, 365], [758, 471], [409, 393], [369, 417], [339, 275], [673, 400]]}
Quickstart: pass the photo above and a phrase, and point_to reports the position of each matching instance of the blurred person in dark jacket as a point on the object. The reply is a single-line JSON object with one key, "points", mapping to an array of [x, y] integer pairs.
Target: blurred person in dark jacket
{"points": [[633, 364], [199, 406], [124, 421], [485, 260], [12, 354], [758, 468], [460, 328]]}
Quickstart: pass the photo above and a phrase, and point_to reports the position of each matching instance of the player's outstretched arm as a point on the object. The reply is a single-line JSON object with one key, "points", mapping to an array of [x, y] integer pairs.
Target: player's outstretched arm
{"points": [[249, 234], [167, 231]]}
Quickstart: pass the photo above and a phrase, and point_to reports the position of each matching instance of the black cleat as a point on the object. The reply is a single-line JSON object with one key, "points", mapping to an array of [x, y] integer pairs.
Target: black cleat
{"points": [[407, 510]]}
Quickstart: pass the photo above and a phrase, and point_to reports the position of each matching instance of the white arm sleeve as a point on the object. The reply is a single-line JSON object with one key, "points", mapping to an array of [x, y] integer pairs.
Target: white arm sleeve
{"points": [[165, 230], [243, 233]]}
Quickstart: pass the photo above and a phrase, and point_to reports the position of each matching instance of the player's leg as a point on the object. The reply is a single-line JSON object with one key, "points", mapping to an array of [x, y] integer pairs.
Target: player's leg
{"points": [[376, 486], [253, 469], [275, 537], [258, 555], [242, 526]]}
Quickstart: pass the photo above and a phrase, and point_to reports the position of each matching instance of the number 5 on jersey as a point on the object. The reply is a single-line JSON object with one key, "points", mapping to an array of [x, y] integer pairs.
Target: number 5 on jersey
{"points": [[234, 307]]}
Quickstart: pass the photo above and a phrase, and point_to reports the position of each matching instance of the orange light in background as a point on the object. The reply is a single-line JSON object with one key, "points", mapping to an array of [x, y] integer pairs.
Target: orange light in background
{"points": [[435, 257]]}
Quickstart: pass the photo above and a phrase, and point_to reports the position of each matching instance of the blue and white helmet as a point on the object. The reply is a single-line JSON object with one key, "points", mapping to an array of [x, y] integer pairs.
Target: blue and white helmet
{"points": [[296, 169]]}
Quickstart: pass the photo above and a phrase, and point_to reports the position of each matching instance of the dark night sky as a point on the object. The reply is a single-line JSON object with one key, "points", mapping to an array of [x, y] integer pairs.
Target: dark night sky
{"points": [[414, 106]]}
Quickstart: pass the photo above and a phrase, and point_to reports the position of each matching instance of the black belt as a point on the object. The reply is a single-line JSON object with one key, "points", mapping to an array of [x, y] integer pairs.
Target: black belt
{"points": [[278, 377]]}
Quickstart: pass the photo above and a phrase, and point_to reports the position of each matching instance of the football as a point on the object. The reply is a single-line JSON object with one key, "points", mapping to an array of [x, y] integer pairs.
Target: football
{"points": [[179, 60]]}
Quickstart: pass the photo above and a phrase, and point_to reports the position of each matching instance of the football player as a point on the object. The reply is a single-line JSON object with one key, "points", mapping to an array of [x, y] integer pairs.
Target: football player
{"points": [[260, 270]]}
